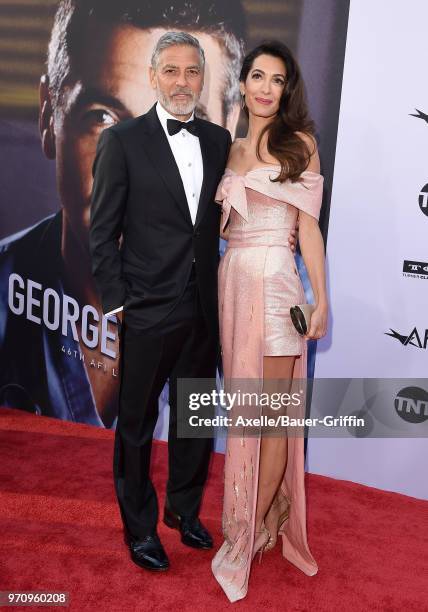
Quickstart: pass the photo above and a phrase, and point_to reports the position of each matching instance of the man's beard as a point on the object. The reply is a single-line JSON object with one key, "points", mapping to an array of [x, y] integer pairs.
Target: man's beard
{"points": [[177, 107]]}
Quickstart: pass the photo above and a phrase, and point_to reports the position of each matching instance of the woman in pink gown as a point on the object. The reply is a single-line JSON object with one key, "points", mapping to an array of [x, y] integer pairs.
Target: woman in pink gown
{"points": [[272, 180]]}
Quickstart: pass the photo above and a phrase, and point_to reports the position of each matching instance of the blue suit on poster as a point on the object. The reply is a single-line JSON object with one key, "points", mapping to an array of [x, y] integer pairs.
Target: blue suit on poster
{"points": [[41, 369]]}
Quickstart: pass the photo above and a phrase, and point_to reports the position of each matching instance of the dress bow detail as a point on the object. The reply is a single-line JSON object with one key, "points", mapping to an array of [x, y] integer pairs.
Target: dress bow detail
{"points": [[231, 194], [305, 195]]}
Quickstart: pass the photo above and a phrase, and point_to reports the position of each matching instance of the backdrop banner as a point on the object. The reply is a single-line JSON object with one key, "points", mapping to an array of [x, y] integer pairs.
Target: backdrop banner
{"points": [[376, 252]]}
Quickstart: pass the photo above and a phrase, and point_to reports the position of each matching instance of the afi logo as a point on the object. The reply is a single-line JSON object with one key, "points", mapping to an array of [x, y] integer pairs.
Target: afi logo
{"points": [[420, 115], [414, 338]]}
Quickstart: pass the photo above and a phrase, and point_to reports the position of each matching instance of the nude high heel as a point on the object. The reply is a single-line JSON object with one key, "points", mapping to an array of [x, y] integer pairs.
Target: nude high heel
{"points": [[281, 520], [260, 541]]}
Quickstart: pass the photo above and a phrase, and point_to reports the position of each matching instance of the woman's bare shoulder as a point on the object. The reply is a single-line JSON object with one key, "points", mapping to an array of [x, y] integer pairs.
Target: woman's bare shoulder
{"points": [[235, 150], [237, 143]]}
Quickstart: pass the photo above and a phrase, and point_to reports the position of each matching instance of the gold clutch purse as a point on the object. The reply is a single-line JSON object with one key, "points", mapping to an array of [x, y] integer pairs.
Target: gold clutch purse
{"points": [[301, 317]]}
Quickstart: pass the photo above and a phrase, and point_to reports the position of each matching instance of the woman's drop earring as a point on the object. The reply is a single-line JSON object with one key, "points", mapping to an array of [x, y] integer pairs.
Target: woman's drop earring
{"points": [[242, 100]]}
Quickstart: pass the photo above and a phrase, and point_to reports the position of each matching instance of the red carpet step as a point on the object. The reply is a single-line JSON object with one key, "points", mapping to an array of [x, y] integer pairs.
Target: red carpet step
{"points": [[60, 530]]}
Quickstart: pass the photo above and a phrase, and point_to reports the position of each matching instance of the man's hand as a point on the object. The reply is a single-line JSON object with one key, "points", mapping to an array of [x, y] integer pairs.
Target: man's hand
{"points": [[292, 239]]}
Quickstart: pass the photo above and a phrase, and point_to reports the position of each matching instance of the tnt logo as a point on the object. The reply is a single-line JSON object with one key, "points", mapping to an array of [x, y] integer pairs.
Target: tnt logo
{"points": [[423, 200], [411, 404]]}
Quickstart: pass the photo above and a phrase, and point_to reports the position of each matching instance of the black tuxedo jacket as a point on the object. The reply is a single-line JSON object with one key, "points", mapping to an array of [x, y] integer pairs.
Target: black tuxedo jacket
{"points": [[138, 192]]}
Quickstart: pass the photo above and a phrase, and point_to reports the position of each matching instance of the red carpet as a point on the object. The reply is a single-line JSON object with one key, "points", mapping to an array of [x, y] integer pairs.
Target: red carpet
{"points": [[61, 531]]}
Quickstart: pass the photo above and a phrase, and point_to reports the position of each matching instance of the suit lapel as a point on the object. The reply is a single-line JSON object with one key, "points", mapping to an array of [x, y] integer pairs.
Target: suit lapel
{"points": [[210, 162], [158, 150]]}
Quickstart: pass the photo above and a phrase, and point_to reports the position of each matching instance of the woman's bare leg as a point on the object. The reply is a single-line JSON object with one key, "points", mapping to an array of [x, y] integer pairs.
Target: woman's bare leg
{"points": [[277, 374]]}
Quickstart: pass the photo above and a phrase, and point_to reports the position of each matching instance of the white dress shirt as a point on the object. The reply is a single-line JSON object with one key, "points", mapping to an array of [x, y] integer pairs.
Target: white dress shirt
{"points": [[186, 150], [187, 154]]}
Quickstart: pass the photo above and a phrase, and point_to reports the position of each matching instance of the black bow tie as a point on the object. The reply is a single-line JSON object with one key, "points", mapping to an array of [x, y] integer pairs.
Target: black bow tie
{"points": [[174, 126]]}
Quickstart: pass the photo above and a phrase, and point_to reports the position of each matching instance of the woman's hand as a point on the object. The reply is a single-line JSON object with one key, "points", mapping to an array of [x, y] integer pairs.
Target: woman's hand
{"points": [[318, 327], [292, 239]]}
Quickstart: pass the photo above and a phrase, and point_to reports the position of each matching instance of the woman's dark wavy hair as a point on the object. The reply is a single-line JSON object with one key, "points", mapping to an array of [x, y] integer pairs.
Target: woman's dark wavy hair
{"points": [[283, 142]]}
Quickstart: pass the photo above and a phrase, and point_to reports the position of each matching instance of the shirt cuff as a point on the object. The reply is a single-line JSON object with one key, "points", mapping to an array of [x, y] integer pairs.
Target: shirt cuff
{"points": [[107, 314]]}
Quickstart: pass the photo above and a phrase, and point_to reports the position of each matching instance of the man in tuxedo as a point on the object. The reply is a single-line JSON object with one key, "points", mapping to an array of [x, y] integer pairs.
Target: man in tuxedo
{"points": [[155, 179]]}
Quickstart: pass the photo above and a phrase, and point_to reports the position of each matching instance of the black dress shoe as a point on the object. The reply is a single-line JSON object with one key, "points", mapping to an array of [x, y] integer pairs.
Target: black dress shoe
{"points": [[193, 533], [149, 553]]}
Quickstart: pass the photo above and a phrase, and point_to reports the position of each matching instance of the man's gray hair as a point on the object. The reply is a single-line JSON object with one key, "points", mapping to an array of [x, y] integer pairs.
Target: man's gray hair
{"points": [[176, 38]]}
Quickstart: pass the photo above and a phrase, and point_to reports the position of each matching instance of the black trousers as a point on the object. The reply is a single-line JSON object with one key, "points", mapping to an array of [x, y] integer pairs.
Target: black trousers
{"points": [[181, 346]]}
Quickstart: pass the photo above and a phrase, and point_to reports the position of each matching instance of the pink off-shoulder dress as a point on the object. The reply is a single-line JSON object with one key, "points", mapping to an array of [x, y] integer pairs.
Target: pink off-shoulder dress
{"points": [[258, 282]]}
